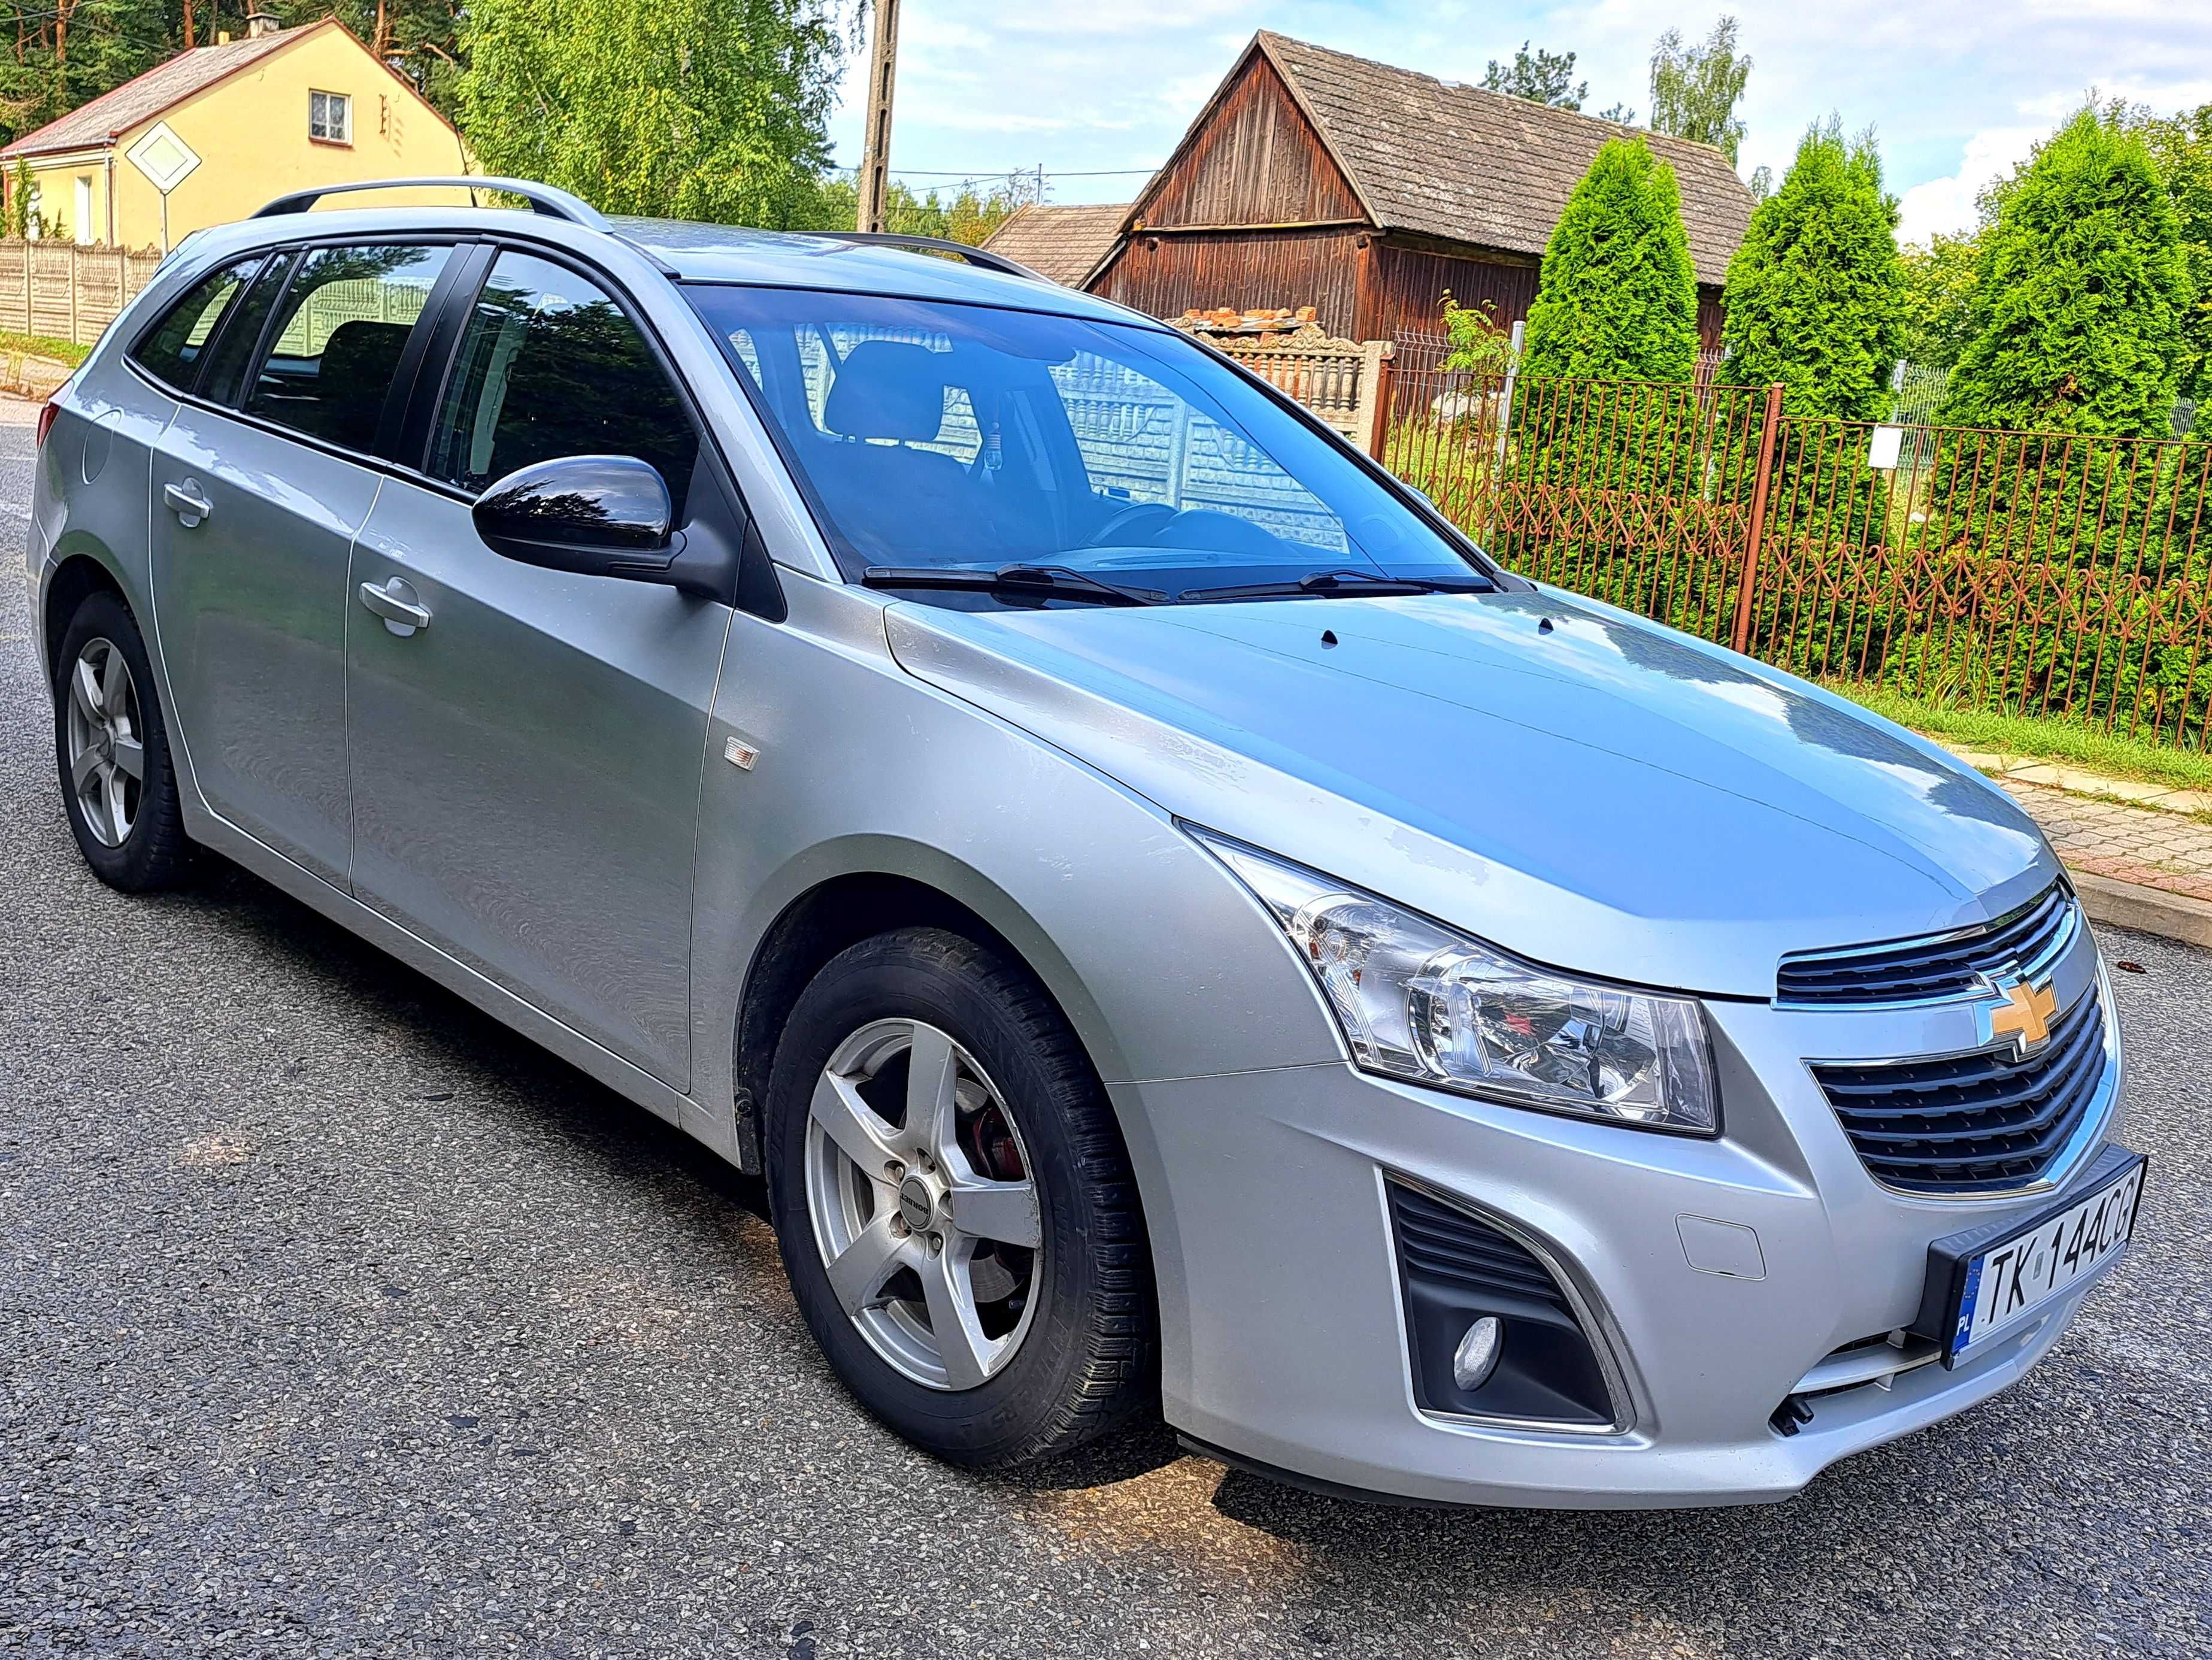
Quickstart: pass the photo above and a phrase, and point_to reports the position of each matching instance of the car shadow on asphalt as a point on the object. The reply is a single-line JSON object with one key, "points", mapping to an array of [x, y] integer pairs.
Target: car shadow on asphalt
{"points": [[450, 1038]]}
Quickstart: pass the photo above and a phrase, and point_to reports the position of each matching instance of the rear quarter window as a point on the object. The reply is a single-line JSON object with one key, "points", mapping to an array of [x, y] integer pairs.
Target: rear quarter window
{"points": [[172, 350]]}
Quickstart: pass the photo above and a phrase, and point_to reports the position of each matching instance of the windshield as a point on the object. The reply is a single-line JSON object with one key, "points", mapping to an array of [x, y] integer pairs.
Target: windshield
{"points": [[958, 438]]}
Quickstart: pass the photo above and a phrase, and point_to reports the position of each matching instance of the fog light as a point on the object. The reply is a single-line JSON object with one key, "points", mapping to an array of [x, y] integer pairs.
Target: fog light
{"points": [[1477, 1354]]}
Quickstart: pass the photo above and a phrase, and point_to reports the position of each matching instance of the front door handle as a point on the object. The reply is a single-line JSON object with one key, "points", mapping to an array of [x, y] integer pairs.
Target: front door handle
{"points": [[395, 603], [186, 500]]}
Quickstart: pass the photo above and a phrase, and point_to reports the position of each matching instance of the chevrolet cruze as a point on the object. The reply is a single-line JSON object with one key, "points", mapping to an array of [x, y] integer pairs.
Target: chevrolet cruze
{"points": [[1178, 928]]}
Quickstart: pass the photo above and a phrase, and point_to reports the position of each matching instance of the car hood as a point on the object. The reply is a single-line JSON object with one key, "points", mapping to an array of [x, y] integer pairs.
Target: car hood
{"points": [[1579, 786]]}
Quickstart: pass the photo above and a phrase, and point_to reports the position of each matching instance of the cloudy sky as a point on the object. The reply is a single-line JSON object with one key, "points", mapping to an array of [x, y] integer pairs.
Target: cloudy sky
{"points": [[1957, 89]]}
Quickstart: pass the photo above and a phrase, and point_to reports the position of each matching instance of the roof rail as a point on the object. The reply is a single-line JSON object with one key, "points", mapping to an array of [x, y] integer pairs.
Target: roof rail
{"points": [[543, 198], [972, 255]]}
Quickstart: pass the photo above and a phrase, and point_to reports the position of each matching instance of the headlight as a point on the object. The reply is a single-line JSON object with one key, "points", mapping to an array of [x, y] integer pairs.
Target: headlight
{"points": [[1422, 1001]]}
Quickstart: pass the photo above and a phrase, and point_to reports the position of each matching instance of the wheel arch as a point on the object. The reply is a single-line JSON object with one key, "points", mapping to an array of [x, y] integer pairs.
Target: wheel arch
{"points": [[77, 576], [875, 885]]}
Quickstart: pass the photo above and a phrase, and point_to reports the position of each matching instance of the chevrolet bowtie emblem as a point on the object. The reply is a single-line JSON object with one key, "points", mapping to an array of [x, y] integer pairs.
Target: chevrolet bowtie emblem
{"points": [[2022, 1012]]}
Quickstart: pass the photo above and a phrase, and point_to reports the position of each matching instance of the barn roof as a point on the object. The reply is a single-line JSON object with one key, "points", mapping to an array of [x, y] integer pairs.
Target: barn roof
{"points": [[1440, 158], [1064, 243]]}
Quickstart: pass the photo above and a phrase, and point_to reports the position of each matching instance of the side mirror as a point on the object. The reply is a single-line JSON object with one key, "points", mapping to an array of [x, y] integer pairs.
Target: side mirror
{"points": [[607, 515], [593, 515]]}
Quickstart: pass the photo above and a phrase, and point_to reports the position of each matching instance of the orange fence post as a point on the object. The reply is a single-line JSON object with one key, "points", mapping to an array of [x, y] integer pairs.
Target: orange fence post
{"points": [[1760, 481]]}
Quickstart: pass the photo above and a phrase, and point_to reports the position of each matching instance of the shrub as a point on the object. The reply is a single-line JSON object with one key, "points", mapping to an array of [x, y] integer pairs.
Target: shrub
{"points": [[1617, 298], [2082, 294], [1815, 294]]}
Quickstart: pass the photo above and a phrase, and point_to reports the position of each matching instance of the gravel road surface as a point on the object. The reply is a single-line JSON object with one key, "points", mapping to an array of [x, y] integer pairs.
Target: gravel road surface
{"points": [[335, 1321]]}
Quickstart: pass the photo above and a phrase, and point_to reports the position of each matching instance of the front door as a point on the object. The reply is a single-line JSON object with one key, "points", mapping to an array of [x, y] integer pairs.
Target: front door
{"points": [[526, 743], [253, 529]]}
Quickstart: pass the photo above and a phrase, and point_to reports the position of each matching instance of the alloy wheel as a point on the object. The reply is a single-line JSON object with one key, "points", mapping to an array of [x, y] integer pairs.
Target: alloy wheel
{"points": [[106, 760], [924, 1204]]}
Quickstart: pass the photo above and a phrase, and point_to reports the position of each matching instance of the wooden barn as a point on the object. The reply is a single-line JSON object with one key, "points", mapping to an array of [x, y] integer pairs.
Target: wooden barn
{"points": [[1313, 178]]}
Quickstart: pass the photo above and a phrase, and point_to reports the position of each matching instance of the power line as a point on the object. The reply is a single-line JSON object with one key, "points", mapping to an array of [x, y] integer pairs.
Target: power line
{"points": [[1031, 172]]}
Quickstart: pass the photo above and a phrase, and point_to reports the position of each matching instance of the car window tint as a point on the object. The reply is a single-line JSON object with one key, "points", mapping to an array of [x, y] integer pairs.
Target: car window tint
{"points": [[549, 365], [171, 351], [340, 331], [232, 352]]}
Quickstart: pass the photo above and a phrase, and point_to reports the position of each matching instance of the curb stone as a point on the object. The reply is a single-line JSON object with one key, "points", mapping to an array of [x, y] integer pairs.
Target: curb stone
{"points": [[2147, 910]]}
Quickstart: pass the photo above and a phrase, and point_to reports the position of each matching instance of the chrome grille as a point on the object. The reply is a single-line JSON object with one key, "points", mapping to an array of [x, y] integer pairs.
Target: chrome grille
{"points": [[1931, 968], [1971, 1123]]}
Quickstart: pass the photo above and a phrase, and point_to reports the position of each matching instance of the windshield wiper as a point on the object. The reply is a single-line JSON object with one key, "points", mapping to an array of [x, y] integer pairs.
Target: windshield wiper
{"points": [[1053, 581], [1329, 584]]}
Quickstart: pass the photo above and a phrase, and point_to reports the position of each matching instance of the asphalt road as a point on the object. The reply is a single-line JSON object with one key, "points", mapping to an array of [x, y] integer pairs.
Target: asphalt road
{"points": [[336, 1320]]}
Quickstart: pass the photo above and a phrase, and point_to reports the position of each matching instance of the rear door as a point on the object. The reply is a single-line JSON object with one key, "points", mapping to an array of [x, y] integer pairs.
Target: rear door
{"points": [[259, 487], [527, 757]]}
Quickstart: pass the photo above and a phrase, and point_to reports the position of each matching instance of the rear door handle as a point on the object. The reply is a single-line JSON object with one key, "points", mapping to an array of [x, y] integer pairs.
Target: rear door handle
{"points": [[395, 603], [186, 500]]}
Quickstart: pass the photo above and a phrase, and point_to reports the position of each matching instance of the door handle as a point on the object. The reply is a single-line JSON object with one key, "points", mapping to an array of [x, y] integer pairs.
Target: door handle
{"points": [[395, 604], [186, 500]]}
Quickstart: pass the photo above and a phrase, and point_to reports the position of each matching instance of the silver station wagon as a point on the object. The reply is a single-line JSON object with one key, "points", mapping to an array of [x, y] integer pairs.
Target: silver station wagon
{"points": [[1178, 928]]}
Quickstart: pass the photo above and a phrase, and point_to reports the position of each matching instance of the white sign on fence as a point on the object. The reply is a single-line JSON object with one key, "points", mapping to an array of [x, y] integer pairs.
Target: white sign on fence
{"points": [[1882, 447]]}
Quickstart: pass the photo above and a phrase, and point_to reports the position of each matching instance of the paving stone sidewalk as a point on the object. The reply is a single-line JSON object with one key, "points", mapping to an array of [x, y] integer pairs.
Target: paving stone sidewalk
{"points": [[2146, 833], [2170, 851]]}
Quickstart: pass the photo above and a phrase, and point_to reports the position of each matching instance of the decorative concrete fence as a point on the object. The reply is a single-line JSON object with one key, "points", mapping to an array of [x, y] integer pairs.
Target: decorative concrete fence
{"points": [[1345, 382], [67, 290]]}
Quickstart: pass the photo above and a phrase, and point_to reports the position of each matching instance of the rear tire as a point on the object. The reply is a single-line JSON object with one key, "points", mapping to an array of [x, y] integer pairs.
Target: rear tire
{"points": [[111, 741], [1051, 1344]]}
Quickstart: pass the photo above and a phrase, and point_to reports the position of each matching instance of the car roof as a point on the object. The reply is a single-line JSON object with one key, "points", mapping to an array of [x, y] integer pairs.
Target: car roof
{"points": [[732, 253], [695, 253]]}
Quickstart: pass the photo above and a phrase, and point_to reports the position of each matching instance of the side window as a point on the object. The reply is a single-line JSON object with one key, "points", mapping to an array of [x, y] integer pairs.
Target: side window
{"points": [[171, 350], [232, 353], [339, 334], [549, 365]]}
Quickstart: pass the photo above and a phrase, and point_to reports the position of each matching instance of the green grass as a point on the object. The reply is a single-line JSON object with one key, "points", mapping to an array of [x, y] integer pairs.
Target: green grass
{"points": [[42, 345], [2044, 738]]}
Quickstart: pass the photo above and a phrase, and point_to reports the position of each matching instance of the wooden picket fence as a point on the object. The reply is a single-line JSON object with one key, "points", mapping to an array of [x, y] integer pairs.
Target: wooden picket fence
{"points": [[68, 290]]}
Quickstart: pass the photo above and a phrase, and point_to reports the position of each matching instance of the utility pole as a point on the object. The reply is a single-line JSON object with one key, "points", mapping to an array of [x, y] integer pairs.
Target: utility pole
{"points": [[875, 149]]}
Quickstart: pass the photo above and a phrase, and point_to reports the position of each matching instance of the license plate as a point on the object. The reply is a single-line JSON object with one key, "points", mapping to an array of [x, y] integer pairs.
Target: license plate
{"points": [[1999, 1284]]}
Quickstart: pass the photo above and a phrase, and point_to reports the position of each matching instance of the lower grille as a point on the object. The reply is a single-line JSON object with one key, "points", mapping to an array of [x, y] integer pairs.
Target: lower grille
{"points": [[1971, 1123], [1450, 1246]]}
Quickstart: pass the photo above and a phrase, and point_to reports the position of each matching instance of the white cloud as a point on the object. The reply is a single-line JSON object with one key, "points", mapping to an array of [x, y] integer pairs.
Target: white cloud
{"points": [[1947, 204], [1950, 86]]}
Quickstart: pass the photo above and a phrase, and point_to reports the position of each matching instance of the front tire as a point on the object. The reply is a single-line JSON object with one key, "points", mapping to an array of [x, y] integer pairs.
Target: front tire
{"points": [[954, 1204], [118, 784]]}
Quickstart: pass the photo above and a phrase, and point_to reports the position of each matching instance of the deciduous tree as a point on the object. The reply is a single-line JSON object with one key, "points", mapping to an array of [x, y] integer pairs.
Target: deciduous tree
{"points": [[1939, 298], [1695, 89], [694, 109]]}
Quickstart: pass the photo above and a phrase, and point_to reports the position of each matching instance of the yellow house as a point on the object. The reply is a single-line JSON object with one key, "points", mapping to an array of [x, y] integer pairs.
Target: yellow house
{"points": [[280, 110]]}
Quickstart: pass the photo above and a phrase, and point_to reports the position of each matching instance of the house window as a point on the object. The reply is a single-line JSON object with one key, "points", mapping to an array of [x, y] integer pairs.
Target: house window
{"points": [[330, 117], [83, 226]]}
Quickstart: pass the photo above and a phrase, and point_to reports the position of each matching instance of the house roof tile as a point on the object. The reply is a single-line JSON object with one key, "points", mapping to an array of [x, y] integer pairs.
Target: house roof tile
{"points": [[142, 98]]}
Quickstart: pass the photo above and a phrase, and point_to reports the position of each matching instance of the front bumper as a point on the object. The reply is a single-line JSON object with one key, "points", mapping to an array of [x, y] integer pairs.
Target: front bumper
{"points": [[1285, 1342]]}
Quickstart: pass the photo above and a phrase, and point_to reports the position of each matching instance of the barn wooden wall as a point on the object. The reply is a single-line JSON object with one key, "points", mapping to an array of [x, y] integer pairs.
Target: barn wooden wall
{"points": [[1166, 276], [1406, 287], [1257, 161], [1253, 213]]}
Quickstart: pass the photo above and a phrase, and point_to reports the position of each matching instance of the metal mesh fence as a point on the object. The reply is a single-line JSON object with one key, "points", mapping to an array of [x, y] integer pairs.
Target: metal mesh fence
{"points": [[2028, 573]]}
